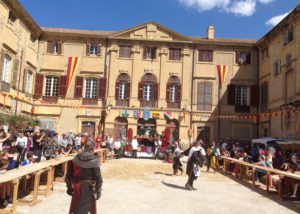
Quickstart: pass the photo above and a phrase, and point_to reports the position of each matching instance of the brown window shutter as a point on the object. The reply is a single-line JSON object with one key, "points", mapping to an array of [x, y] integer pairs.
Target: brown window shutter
{"points": [[254, 95], [38, 88], [211, 56], [171, 54], [178, 93], [208, 96], [117, 90], [231, 94], [200, 95], [15, 72], [145, 53], [1, 64], [237, 57], [178, 54], [154, 53], [141, 91], [87, 51], [168, 92], [127, 95], [102, 88], [155, 91], [248, 60], [78, 87], [50, 47], [62, 90], [99, 50], [60, 44], [24, 80]]}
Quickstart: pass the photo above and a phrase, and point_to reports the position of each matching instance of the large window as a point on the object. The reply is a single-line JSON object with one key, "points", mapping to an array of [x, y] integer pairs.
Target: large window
{"points": [[242, 96], [51, 89], [243, 58], [205, 56], [54, 47], [288, 61], [125, 51], [149, 53], [93, 49], [204, 99], [175, 54], [277, 68], [148, 92], [6, 68], [91, 86], [29, 79], [288, 35], [173, 92], [122, 90]]}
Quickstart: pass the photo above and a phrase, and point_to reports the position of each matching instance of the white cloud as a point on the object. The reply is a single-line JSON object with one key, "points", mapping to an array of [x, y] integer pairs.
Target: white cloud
{"points": [[276, 19], [237, 7]]}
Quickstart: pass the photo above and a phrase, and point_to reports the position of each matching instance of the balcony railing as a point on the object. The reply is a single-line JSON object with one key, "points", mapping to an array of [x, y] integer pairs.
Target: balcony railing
{"points": [[5, 87], [173, 105], [148, 103], [50, 99], [90, 101], [243, 109], [124, 103]]}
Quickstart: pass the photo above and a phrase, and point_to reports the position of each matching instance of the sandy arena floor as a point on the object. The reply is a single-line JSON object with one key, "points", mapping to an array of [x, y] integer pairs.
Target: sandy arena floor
{"points": [[145, 186]]}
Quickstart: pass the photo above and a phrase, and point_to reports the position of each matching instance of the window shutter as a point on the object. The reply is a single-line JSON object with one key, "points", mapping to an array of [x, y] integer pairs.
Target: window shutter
{"points": [[154, 53], [99, 50], [155, 91], [62, 90], [171, 54], [145, 53], [38, 88], [231, 94], [59, 51], [78, 87], [87, 51], [254, 95], [141, 91], [208, 96], [1, 64], [248, 58], [178, 93], [24, 80], [200, 96], [237, 57], [168, 92], [102, 88], [15, 72], [117, 90], [50, 47], [127, 95], [211, 56]]}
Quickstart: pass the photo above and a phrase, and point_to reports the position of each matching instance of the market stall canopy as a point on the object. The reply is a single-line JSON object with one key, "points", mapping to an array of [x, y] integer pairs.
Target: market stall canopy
{"points": [[266, 140], [289, 145]]}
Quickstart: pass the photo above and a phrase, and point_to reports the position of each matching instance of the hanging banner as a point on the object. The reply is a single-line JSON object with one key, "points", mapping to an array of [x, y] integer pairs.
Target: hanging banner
{"points": [[146, 114], [155, 114], [168, 115], [137, 114], [222, 71], [72, 68], [124, 113]]}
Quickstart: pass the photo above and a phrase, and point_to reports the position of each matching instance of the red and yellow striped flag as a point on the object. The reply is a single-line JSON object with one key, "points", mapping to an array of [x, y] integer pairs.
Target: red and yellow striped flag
{"points": [[72, 67], [222, 71]]}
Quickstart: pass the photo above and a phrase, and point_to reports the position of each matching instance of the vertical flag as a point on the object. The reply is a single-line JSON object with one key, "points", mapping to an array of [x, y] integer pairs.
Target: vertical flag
{"points": [[222, 70], [72, 68]]}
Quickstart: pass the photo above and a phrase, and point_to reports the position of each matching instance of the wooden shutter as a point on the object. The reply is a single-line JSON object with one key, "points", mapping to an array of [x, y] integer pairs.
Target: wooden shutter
{"points": [[171, 54], [154, 53], [155, 91], [99, 50], [208, 96], [50, 47], [117, 90], [211, 56], [102, 88], [59, 51], [200, 95], [78, 87], [141, 91], [24, 80], [87, 51], [178, 93], [15, 72], [62, 90], [231, 94], [237, 57], [168, 92], [248, 58], [1, 64], [38, 88], [145, 53], [254, 95], [127, 86]]}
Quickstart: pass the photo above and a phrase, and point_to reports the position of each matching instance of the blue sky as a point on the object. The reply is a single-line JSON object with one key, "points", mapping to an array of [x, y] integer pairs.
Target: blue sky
{"points": [[231, 18]]}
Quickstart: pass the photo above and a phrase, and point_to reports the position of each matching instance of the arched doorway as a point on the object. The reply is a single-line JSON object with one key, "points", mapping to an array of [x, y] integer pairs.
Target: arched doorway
{"points": [[173, 126], [88, 127], [146, 128], [120, 128]]}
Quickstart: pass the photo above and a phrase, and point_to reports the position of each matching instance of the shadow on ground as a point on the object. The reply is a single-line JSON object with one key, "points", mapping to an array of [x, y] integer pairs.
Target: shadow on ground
{"points": [[175, 186]]}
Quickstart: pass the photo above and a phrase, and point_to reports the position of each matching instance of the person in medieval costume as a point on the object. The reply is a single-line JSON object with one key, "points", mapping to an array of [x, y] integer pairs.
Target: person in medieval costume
{"points": [[195, 161], [177, 165], [212, 157], [84, 181]]}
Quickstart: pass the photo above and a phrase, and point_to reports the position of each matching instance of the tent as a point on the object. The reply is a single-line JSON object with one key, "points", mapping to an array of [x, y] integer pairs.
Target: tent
{"points": [[289, 145]]}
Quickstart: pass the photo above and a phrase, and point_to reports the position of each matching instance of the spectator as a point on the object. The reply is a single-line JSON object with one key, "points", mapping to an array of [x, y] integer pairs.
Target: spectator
{"points": [[21, 144], [134, 144], [77, 142]]}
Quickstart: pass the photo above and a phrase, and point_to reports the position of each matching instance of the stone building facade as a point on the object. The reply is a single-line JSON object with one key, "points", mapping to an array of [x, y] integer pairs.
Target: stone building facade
{"points": [[148, 76]]}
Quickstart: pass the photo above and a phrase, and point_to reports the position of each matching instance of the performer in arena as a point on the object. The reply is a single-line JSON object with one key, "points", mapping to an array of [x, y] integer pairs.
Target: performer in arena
{"points": [[84, 181], [177, 165]]}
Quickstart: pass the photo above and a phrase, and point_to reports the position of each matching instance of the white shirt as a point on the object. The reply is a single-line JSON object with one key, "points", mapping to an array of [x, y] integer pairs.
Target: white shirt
{"points": [[134, 144], [272, 151], [117, 144], [78, 141], [195, 149], [111, 141], [22, 141]]}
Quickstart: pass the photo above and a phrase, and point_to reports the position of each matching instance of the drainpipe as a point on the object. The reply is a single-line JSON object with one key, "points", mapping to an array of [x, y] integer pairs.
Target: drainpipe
{"points": [[192, 87]]}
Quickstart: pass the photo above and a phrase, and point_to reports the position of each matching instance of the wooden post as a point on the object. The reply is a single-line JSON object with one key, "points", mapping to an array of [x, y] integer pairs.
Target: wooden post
{"points": [[280, 186], [267, 182], [253, 175], [15, 194], [224, 165]]}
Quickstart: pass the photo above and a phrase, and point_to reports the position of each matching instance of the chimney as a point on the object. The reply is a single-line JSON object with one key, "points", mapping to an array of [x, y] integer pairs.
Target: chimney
{"points": [[211, 32]]}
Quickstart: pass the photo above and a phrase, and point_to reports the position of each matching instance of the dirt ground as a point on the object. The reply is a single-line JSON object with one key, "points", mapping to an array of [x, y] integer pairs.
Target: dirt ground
{"points": [[146, 186]]}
